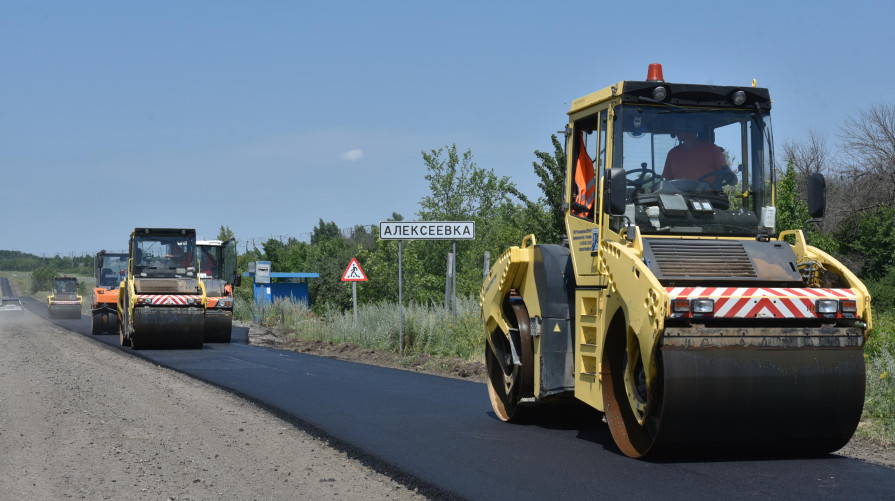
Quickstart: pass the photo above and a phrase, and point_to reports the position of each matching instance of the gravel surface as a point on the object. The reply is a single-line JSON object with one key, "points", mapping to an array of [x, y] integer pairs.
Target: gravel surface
{"points": [[81, 420]]}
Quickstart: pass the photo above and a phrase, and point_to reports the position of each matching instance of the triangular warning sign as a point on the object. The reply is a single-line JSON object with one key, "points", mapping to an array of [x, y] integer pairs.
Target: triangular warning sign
{"points": [[354, 273]]}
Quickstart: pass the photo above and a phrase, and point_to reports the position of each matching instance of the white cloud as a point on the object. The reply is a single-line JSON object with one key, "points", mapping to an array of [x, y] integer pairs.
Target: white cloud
{"points": [[353, 155]]}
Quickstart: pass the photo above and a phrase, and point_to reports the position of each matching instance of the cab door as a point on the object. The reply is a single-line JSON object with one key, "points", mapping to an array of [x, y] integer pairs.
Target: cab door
{"points": [[228, 256]]}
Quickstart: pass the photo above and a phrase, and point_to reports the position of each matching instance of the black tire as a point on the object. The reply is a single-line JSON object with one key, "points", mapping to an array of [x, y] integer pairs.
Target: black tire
{"points": [[112, 322], [96, 324]]}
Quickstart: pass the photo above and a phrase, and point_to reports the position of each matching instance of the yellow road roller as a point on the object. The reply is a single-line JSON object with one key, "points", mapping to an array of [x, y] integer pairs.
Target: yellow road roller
{"points": [[161, 303], [675, 306], [64, 301]]}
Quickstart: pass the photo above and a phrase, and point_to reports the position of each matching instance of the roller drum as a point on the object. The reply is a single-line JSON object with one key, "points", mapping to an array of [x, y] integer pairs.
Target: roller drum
{"points": [[168, 327], [780, 400], [789, 390], [218, 325], [70, 311]]}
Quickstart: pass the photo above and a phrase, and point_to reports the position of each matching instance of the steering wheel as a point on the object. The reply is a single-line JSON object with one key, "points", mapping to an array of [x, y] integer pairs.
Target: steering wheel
{"points": [[723, 177], [646, 176]]}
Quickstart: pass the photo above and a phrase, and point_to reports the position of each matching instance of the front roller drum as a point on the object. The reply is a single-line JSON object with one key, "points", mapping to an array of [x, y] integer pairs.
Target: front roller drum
{"points": [[218, 325], [69, 311], [802, 400], [168, 327], [773, 393]]}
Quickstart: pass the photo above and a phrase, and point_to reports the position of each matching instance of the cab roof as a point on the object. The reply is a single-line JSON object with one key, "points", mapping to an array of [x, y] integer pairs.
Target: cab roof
{"points": [[678, 94]]}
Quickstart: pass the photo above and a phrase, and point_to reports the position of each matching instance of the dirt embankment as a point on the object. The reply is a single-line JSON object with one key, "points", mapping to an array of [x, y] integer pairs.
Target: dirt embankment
{"points": [[283, 339]]}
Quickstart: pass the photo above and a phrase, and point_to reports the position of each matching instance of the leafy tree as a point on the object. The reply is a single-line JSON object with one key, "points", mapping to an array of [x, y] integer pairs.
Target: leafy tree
{"points": [[296, 257], [381, 267], [792, 211], [460, 191], [867, 242], [329, 258], [225, 234], [274, 251], [551, 171], [42, 279], [325, 231]]}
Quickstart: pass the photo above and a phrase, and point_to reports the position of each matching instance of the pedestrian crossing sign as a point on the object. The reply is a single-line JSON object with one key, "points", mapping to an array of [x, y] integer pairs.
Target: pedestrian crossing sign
{"points": [[354, 273]]}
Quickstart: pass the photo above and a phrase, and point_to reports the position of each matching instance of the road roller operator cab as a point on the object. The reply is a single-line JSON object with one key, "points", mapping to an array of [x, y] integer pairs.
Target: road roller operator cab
{"points": [[677, 307], [109, 270], [217, 269]]}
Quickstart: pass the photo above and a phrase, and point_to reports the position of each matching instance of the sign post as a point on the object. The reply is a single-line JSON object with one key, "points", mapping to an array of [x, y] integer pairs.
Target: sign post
{"points": [[354, 274], [425, 230]]}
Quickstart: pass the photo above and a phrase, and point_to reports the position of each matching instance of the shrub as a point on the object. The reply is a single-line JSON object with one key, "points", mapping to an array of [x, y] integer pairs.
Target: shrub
{"points": [[42, 279], [879, 400]]}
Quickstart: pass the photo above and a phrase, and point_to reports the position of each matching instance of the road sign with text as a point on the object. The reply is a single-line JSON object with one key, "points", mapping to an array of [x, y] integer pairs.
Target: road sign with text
{"points": [[427, 230]]}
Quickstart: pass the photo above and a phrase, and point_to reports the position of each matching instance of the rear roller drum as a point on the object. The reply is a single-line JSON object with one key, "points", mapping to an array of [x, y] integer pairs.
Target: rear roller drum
{"points": [[503, 383], [510, 379], [111, 322]]}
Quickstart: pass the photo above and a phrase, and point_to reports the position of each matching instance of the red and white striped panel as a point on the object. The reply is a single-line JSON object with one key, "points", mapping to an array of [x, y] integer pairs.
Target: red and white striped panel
{"points": [[164, 299], [759, 302], [54, 301]]}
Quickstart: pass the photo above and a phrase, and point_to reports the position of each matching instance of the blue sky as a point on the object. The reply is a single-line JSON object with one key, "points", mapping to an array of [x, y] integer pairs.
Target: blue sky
{"points": [[269, 116]]}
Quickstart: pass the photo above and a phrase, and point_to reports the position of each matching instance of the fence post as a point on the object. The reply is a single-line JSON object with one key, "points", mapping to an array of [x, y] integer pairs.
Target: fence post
{"points": [[447, 280]]}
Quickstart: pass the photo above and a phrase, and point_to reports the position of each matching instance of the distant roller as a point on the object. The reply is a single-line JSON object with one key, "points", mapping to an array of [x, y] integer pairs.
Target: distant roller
{"points": [[64, 301]]}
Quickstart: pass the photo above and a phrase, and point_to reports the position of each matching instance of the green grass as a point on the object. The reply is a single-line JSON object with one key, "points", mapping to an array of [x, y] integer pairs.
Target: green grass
{"points": [[20, 281], [427, 328], [879, 401]]}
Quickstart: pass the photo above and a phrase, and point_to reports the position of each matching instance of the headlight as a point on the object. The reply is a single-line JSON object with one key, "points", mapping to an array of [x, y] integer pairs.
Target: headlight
{"points": [[827, 306], [224, 303], [703, 305]]}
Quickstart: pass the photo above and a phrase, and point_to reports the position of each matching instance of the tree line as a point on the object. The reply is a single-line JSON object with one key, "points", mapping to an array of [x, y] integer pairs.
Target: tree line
{"points": [[43, 269], [859, 227]]}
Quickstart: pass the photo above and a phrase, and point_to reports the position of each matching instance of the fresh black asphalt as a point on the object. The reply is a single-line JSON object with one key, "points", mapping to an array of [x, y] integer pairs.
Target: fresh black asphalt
{"points": [[440, 434]]}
